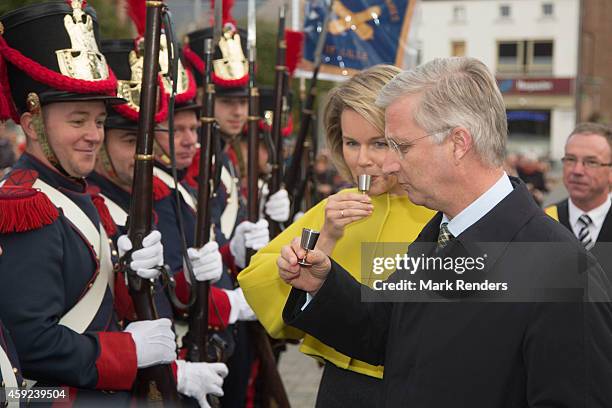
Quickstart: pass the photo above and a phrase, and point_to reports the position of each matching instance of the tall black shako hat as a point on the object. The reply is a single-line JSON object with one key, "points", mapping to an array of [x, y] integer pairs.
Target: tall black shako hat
{"points": [[230, 66], [266, 111], [126, 58], [58, 64]]}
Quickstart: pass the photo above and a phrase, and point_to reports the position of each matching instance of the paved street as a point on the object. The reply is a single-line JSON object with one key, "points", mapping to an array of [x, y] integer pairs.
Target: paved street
{"points": [[301, 375]]}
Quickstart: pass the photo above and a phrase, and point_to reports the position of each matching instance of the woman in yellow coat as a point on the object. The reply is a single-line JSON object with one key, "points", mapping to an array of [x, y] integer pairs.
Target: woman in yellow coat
{"points": [[355, 137]]}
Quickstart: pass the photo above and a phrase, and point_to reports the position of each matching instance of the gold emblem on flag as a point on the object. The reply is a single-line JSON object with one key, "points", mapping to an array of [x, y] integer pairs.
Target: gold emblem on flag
{"points": [[355, 21]]}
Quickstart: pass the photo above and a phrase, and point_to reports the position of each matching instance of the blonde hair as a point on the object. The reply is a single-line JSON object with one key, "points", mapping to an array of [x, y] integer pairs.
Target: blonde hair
{"points": [[358, 94], [456, 91]]}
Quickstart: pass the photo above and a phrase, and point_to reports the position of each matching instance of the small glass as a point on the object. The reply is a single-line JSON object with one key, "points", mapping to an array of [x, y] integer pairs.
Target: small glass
{"points": [[308, 242]]}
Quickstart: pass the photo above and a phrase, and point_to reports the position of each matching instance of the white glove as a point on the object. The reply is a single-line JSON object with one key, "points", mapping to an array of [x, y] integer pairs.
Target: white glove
{"points": [[298, 215], [207, 263], [248, 235], [144, 260], [240, 309], [278, 206], [154, 341], [199, 379]]}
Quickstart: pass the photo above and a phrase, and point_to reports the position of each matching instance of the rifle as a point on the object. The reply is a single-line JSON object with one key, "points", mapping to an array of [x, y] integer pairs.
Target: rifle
{"points": [[279, 92], [159, 379], [273, 391], [293, 172]]}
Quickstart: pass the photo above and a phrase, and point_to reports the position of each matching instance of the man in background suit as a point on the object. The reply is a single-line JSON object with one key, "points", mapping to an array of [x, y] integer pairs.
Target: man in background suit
{"points": [[446, 129], [587, 176]]}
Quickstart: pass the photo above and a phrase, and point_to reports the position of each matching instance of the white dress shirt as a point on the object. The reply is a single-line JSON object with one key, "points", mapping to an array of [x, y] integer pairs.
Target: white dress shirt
{"points": [[479, 207], [597, 215]]}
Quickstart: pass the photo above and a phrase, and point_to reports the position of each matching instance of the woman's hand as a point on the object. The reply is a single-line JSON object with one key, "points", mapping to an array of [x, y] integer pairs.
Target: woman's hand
{"points": [[341, 210]]}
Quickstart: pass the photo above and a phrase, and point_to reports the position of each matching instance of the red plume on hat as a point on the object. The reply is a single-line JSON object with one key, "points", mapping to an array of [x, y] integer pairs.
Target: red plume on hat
{"points": [[295, 43], [137, 11], [226, 14]]}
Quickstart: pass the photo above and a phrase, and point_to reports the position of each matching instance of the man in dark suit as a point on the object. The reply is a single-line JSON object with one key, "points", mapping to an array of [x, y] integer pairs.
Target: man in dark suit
{"points": [[587, 176], [447, 346]]}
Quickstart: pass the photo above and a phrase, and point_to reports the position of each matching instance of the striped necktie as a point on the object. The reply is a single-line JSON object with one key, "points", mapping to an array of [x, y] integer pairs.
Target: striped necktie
{"points": [[444, 236], [584, 235]]}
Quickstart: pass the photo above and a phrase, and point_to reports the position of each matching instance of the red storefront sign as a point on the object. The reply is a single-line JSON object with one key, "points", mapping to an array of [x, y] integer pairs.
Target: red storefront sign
{"points": [[536, 86]]}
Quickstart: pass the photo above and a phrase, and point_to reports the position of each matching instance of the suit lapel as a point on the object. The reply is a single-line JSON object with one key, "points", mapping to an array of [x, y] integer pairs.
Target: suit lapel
{"points": [[605, 235], [563, 213]]}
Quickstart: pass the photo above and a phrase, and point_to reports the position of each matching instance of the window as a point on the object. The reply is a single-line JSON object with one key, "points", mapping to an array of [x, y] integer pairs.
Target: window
{"points": [[548, 9], [504, 11], [459, 14], [525, 57], [458, 49], [508, 54], [541, 56]]}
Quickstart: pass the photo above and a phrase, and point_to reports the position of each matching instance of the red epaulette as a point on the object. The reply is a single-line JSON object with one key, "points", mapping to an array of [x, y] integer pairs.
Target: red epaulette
{"points": [[105, 218], [23, 208], [160, 189]]}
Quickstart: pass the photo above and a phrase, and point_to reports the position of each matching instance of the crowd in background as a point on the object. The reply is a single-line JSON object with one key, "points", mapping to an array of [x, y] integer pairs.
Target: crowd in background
{"points": [[535, 171]]}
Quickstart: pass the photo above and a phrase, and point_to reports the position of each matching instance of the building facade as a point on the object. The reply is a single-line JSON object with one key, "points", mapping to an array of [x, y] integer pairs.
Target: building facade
{"points": [[531, 45]]}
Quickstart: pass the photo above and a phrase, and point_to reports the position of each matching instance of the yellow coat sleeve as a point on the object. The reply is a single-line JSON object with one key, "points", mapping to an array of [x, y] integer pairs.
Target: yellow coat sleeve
{"points": [[264, 290]]}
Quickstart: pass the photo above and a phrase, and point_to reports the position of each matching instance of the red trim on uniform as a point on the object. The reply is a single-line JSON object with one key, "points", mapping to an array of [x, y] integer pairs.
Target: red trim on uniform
{"points": [[44, 75], [160, 189], [218, 298], [230, 83], [17, 197], [182, 289], [105, 217], [285, 132], [190, 93], [174, 371], [191, 175], [295, 42], [193, 59], [117, 363], [228, 259], [123, 301], [162, 107], [251, 385]]}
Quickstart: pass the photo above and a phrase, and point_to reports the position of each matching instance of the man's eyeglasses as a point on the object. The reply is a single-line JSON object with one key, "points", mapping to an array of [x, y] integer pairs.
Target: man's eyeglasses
{"points": [[402, 148], [571, 161]]}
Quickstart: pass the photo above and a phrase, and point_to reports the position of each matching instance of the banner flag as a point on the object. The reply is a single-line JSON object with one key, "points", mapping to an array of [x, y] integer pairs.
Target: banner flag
{"points": [[361, 33]]}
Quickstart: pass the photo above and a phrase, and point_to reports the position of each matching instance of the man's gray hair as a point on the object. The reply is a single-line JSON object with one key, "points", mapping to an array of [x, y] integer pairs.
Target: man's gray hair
{"points": [[453, 92]]}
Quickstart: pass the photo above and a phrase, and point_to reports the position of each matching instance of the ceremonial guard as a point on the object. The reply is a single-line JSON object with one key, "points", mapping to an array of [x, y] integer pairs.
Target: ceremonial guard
{"points": [[230, 76], [114, 176], [10, 372], [57, 273]]}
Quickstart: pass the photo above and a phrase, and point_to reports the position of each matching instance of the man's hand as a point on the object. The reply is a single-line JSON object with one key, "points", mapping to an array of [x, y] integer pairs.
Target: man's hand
{"points": [[308, 278], [146, 259], [248, 235], [200, 379], [154, 340], [278, 206], [207, 263]]}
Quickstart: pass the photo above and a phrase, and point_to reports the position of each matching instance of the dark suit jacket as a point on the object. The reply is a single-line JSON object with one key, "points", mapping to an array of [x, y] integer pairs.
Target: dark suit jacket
{"points": [[474, 354], [605, 235], [602, 250]]}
